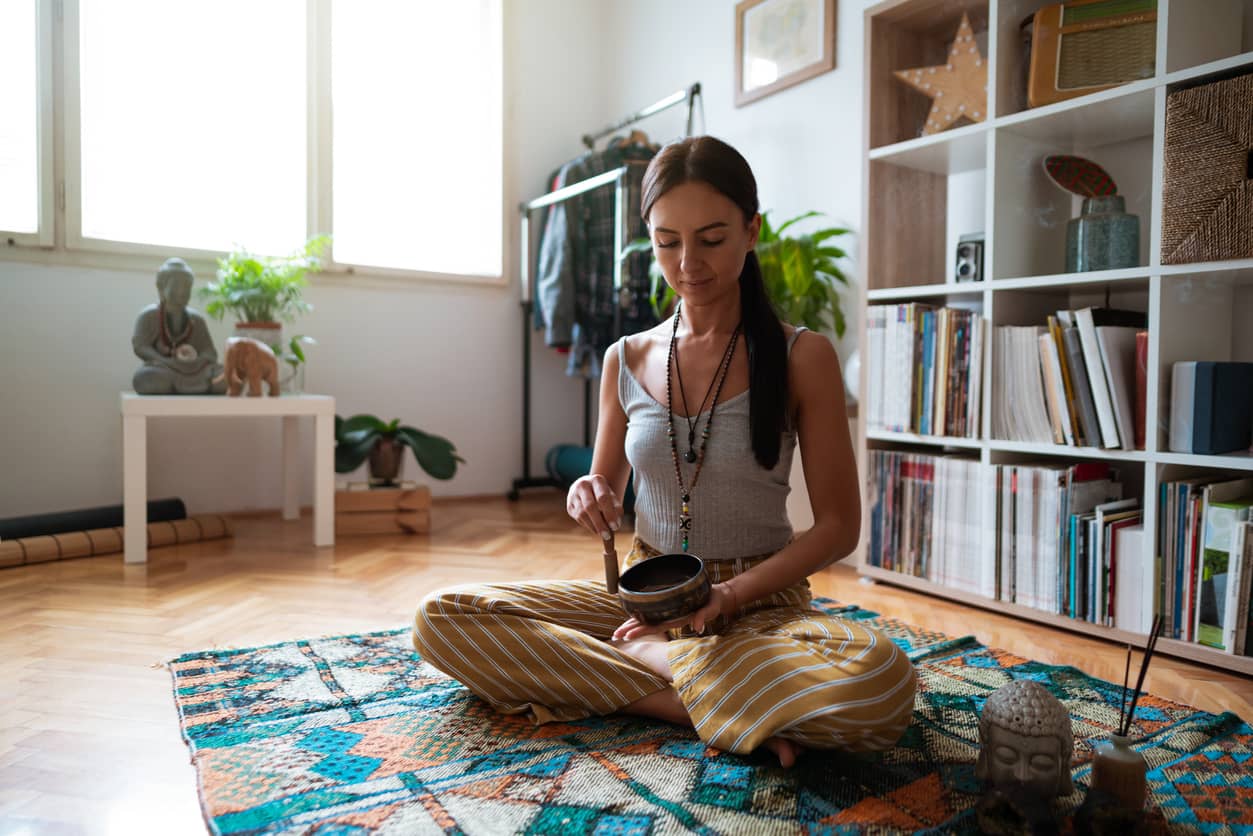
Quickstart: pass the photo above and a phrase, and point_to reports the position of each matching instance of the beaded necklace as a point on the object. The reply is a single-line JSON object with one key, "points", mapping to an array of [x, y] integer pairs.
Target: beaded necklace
{"points": [[724, 365], [170, 344]]}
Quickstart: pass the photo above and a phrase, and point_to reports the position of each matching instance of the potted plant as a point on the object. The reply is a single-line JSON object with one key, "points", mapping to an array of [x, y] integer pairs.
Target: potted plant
{"points": [[800, 273], [262, 292], [363, 437]]}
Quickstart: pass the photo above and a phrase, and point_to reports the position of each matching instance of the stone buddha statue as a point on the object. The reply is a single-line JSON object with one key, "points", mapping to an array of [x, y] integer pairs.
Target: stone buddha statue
{"points": [[174, 341], [1026, 742]]}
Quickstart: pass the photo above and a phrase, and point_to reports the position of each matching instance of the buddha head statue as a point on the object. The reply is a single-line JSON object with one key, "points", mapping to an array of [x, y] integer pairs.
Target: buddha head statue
{"points": [[1026, 741], [174, 281]]}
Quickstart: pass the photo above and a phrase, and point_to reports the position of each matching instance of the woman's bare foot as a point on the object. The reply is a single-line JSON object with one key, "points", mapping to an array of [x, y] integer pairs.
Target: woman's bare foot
{"points": [[651, 650], [787, 750]]}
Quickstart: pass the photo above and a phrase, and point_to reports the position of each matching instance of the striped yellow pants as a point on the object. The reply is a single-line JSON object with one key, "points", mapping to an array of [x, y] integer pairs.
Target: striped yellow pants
{"points": [[777, 668]]}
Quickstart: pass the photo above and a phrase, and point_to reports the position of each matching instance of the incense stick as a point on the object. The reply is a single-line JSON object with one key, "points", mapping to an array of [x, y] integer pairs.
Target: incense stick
{"points": [[1122, 703], [1144, 667]]}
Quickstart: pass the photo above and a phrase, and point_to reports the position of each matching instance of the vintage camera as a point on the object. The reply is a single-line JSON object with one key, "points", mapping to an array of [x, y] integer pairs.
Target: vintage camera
{"points": [[970, 257]]}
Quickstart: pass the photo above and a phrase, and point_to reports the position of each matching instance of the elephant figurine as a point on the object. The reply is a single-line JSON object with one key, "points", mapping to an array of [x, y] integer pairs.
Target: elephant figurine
{"points": [[252, 361]]}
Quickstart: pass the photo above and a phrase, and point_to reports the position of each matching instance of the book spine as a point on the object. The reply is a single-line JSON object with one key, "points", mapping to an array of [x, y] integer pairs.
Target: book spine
{"points": [[1203, 410], [1096, 377], [1083, 390], [1142, 385]]}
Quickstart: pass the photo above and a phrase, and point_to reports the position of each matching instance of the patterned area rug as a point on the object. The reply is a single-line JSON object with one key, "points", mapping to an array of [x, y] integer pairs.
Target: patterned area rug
{"points": [[355, 734]]}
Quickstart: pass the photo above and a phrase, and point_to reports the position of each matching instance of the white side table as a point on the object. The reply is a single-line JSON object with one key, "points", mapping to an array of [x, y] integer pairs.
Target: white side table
{"points": [[137, 409]]}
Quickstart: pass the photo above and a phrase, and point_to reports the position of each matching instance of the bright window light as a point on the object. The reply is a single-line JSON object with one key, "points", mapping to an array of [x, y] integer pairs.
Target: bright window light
{"points": [[19, 131], [193, 123], [417, 134]]}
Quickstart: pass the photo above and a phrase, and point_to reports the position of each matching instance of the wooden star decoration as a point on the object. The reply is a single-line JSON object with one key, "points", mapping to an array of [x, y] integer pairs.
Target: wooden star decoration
{"points": [[958, 88]]}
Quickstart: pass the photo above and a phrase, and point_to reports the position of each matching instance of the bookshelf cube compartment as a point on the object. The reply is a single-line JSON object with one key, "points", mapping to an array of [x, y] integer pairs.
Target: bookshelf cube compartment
{"points": [[925, 513], [1194, 548], [1056, 538], [1067, 390], [1031, 213], [903, 37], [923, 370], [1204, 316], [1197, 34], [916, 218]]}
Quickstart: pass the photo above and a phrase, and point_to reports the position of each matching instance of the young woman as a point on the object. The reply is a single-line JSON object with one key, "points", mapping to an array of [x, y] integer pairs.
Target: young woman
{"points": [[707, 408]]}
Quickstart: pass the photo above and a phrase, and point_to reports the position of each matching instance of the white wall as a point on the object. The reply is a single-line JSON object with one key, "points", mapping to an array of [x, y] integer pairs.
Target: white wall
{"points": [[441, 357]]}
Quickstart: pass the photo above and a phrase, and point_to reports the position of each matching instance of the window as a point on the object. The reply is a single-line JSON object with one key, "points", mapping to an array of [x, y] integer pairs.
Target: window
{"points": [[19, 129], [193, 123], [417, 134], [191, 127]]}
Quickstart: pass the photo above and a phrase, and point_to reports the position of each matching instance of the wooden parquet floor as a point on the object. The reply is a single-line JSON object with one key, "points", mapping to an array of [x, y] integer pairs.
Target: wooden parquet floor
{"points": [[89, 740]]}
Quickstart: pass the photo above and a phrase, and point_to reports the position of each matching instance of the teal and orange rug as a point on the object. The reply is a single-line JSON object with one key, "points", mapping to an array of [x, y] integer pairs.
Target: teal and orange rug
{"points": [[355, 734]]}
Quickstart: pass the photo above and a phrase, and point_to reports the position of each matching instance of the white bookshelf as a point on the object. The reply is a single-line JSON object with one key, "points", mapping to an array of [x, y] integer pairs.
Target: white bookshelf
{"points": [[921, 193]]}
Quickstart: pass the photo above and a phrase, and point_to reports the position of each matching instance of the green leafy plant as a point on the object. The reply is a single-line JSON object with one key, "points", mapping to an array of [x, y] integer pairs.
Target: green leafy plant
{"points": [[357, 437], [256, 288], [294, 354], [800, 272]]}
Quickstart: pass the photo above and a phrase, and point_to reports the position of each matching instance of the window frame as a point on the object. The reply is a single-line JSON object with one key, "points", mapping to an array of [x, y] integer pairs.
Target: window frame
{"points": [[59, 239], [45, 136]]}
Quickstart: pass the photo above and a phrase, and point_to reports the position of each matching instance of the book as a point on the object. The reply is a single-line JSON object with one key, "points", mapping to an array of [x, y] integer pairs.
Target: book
{"points": [[1115, 560], [1133, 600], [1211, 407], [1182, 405], [1243, 643], [1235, 609], [1053, 397], [1142, 385], [1068, 388], [1226, 505], [1118, 358], [1083, 389], [1098, 559], [1087, 320]]}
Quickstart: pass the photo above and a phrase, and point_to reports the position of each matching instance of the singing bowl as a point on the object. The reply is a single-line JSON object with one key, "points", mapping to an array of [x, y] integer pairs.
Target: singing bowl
{"points": [[664, 588]]}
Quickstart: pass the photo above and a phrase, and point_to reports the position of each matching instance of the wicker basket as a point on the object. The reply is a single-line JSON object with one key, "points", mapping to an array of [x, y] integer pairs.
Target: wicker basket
{"points": [[1207, 193]]}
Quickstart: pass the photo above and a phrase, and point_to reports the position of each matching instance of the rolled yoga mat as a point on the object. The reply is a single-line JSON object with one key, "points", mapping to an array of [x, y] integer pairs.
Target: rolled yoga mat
{"points": [[98, 541], [106, 516]]}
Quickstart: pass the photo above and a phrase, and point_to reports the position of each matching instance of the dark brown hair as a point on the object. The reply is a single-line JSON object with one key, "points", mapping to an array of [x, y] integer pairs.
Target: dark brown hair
{"points": [[708, 160]]}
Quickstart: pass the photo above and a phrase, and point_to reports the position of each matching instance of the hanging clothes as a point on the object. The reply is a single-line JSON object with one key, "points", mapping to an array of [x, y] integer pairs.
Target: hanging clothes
{"points": [[574, 279]]}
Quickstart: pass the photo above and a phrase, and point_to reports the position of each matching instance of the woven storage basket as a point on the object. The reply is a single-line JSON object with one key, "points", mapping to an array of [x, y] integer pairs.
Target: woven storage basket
{"points": [[1207, 193]]}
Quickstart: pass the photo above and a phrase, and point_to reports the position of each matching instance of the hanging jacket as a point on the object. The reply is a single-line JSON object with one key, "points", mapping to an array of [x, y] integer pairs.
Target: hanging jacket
{"points": [[574, 279]]}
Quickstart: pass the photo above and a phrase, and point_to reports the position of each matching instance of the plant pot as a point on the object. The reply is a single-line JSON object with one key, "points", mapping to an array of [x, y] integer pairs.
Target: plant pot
{"points": [[386, 461], [270, 333]]}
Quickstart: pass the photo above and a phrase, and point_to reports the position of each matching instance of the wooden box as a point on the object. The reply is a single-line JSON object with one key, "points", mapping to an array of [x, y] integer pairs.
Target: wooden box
{"points": [[360, 509]]}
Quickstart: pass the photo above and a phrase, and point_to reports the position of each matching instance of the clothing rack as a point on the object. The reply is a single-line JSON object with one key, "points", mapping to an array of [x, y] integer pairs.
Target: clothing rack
{"points": [[617, 177]]}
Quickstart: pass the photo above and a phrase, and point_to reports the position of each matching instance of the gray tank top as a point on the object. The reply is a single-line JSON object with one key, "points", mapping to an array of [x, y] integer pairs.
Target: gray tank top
{"points": [[738, 508]]}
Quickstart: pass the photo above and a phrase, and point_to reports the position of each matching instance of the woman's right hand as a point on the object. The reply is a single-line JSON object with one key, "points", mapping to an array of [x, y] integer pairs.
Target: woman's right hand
{"points": [[592, 503]]}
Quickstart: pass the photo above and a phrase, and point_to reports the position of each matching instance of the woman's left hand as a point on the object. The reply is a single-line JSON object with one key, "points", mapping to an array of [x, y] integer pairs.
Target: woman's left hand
{"points": [[721, 602]]}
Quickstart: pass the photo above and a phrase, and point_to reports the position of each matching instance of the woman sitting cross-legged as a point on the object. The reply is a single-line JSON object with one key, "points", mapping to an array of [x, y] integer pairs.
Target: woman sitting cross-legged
{"points": [[757, 665]]}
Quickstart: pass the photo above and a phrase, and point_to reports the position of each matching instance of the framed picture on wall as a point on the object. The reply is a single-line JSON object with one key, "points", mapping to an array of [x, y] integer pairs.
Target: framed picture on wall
{"points": [[779, 43]]}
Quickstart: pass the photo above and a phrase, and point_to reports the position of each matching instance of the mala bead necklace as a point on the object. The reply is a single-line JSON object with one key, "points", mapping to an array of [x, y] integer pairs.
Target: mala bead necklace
{"points": [[175, 345], [692, 455]]}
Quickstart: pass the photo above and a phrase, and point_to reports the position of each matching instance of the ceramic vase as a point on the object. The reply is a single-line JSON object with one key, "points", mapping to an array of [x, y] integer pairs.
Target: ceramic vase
{"points": [[1119, 771], [1103, 237]]}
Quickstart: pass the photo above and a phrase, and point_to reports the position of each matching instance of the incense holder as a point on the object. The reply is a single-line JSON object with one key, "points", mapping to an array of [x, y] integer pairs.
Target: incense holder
{"points": [[664, 588], [1118, 772]]}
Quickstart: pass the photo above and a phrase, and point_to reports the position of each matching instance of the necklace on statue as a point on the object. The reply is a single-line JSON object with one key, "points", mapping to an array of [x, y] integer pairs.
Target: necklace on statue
{"points": [[692, 456], [177, 345]]}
